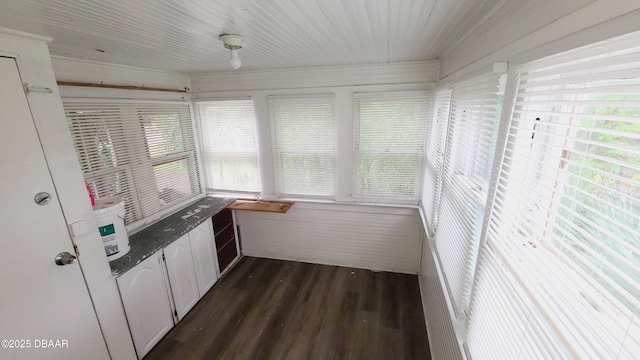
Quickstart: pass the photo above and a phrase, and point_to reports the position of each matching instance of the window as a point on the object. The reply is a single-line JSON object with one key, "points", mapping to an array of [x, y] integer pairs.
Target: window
{"points": [[389, 153], [470, 146], [143, 152], [561, 262], [436, 140], [230, 149], [304, 145]]}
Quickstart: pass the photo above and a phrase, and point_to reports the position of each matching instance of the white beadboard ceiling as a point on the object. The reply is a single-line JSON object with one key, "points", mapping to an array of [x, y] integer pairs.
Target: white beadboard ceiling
{"points": [[182, 35]]}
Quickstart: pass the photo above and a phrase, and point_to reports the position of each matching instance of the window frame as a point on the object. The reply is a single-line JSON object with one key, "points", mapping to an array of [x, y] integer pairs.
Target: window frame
{"points": [[463, 195], [322, 149], [228, 150], [125, 121], [549, 314], [418, 149]]}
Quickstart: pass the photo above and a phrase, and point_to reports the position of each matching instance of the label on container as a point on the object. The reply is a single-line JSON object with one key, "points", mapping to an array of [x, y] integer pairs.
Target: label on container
{"points": [[107, 230], [108, 234]]}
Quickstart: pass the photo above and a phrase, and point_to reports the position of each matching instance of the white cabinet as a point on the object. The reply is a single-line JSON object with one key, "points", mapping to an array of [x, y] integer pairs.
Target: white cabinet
{"points": [[163, 288], [146, 301], [182, 275], [204, 259]]}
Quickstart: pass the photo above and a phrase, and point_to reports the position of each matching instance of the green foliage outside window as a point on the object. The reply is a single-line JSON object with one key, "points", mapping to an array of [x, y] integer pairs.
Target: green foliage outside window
{"points": [[602, 199]]}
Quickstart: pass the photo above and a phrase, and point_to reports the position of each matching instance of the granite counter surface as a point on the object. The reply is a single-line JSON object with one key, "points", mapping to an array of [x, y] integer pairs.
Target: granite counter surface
{"points": [[148, 241]]}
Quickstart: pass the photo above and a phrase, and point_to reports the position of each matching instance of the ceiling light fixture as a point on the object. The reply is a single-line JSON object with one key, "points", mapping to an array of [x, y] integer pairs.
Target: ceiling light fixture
{"points": [[233, 43]]}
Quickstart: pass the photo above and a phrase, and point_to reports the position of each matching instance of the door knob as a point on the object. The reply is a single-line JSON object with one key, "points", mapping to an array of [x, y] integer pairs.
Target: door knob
{"points": [[42, 198], [65, 258]]}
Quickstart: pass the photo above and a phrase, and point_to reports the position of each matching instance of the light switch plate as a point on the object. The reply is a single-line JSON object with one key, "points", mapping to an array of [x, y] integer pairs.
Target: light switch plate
{"points": [[78, 228]]}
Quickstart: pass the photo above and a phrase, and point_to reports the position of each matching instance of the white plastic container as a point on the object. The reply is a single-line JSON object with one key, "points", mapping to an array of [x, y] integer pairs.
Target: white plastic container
{"points": [[109, 214]]}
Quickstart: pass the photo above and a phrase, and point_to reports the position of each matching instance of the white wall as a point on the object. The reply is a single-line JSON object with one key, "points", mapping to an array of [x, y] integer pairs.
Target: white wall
{"points": [[211, 84], [75, 70], [521, 31], [35, 67], [368, 237]]}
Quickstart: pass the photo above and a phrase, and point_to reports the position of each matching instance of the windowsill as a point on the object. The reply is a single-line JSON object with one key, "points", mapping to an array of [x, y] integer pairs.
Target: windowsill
{"points": [[535, 268], [142, 224], [408, 204]]}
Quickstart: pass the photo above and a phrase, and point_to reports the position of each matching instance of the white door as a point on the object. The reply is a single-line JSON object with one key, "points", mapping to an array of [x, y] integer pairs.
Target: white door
{"points": [[45, 310], [182, 276], [146, 302], [202, 249]]}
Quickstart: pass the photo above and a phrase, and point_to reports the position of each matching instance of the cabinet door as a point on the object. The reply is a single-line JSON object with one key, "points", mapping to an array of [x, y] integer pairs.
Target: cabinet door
{"points": [[146, 302], [182, 276], [201, 241]]}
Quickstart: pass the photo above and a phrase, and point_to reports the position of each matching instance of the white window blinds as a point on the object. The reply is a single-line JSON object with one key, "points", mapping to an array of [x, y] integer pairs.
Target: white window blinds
{"points": [[505, 323], [304, 145], [143, 152], [436, 141], [564, 230], [471, 138], [389, 139], [230, 149]]}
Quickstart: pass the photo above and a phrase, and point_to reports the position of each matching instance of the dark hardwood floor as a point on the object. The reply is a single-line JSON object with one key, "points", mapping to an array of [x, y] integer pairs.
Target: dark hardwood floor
{"points": [[273, 309]]}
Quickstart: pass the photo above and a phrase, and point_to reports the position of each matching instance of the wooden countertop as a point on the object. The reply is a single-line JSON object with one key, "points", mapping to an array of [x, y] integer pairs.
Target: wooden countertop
{"points": [[261, 205]]}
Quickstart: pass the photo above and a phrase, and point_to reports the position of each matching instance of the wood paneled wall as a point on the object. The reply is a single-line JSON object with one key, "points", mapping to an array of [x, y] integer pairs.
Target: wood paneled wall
{"points": [[377, 238]]}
